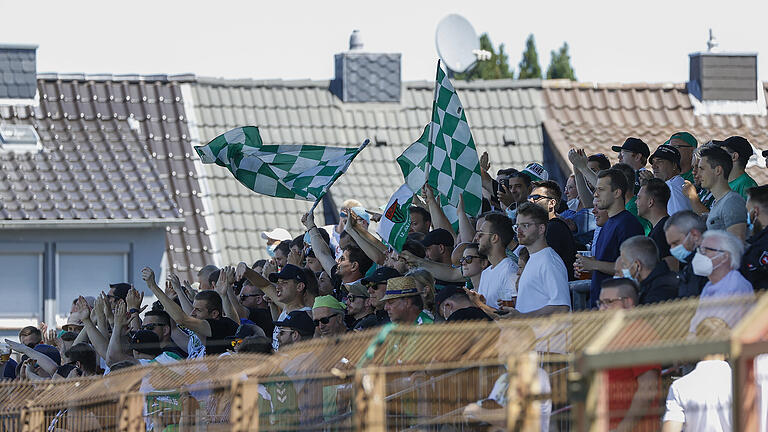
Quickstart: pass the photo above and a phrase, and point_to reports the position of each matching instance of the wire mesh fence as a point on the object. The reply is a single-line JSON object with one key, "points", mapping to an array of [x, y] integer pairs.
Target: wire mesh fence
{"points": [[580, 371]]}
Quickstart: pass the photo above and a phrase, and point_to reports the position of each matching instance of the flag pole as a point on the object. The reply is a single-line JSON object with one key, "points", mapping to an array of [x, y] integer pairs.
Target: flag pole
{"points": [[346, 166]]}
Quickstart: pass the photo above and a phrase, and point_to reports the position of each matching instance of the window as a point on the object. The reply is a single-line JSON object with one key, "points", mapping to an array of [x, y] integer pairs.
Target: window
{"points": [[87, 269], [21, 280]]}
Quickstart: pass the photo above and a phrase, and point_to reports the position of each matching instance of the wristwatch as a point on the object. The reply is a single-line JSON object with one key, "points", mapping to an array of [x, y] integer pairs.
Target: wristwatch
{"points": [[133, 311]]}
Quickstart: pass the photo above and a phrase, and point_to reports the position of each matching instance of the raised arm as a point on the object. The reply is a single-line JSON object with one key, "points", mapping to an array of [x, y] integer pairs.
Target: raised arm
{"points": [[259, 281], [319, 246], [578, 160], [440, 271], [133, 302], [175, 284], [439, 220], [485, 176], [372, 247], [43, 360], [223, 285], [115, 352], [97, 338], [200, 327], [466, 230]]}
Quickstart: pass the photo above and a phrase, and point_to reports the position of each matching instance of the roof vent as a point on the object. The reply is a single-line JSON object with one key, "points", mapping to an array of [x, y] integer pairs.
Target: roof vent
{"points": [[18, 73], [716, 76], [366, 77], [19, 139]]}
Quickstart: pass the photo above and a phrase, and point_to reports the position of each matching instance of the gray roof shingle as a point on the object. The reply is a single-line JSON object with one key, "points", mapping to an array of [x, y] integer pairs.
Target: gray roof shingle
{"points": [[306, 112], [17, 72]]}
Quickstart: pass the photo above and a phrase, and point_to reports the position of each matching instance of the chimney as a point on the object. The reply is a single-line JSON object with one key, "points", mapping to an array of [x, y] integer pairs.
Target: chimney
{"points": [[18, 72], [366, 77], [718, 76]]}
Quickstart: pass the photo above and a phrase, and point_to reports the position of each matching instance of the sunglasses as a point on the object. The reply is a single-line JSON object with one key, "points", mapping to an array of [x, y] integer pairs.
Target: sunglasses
{"points": [[324, 321], [151, 327], [235, 342], [353, 297], [468, 259], [536, 197]]}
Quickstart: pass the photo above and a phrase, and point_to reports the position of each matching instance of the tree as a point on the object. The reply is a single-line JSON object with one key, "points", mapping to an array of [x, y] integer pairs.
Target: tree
{"points": [[529, 65], [497, 67], [560, 64]]}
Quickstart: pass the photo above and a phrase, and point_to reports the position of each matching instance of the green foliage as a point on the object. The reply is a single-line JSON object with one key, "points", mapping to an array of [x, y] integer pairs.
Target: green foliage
{"points": [[529, 65], [560, 64], [497, 67]]}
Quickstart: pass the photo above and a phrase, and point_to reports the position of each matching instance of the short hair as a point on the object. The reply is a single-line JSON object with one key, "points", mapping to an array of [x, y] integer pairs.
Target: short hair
{"points": [[298, 242], [742, 142], [685, 221], [212, 300], [311, 285], [357, 255], [631, 287], [658, 190], [643, 249], [255, 344], [30, 330], [206, 271], [617, 177], [214, 277], [730, 243], [86, 355], [259, 263], [533, 211], [415, 248], [552, 188], [284, 247], [417, 301], [717, 157], [506, 172], [476, 246], [416, 236], [121, 365], [121, 289], [163, 315], [601, 159], [502, 226], [521, 175], [421, 211], [759, 196]]}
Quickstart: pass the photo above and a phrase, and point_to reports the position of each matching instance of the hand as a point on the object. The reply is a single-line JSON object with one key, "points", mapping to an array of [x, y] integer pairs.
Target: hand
{"points": [[689, 190], [241, 269], [485, 162], [148, 275], [429, 193], [411, 259], [175, 283], [584, 263], [644, 176], [294, 258], [505, 196], [83, 311], [308, 220], [376, 217], [460, 205], [509, 312], [120, 315], [134, 299], [578, 159], [269, 268], [106, 308], [49, 336]]}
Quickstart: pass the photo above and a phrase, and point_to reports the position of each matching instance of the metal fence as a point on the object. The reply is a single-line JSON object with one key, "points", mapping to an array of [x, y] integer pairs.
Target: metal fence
{"points": [[556, 373]]}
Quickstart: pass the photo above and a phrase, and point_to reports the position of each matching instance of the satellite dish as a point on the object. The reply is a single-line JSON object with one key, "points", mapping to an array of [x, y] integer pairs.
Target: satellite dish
{"points": [[457, 43]]}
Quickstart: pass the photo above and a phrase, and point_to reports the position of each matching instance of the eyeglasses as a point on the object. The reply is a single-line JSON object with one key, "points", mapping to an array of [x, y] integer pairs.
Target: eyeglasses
{"points": [[536, 197], [524, 225], [324, 321], [353, 298], [151, 327], [245, 296], [482, 233], [702, 249], [468, 259], [609, 301]]}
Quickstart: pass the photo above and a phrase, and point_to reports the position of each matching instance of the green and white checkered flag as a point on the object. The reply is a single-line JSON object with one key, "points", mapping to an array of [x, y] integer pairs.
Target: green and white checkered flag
{"points": [[396, 220], [283, 171], [454, 167], [413, 162]]}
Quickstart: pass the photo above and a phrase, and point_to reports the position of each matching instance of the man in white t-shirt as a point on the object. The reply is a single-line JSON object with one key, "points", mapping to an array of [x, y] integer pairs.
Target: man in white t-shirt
{"points": [[543, 287], [497, 282], [666, 166]]}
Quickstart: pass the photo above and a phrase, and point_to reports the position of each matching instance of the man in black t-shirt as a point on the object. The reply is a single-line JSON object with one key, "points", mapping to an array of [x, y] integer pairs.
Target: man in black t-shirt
{"points": [[546, 194], [652, 205], [454, 305], [251, 304], [159, 322], [206, 320]]}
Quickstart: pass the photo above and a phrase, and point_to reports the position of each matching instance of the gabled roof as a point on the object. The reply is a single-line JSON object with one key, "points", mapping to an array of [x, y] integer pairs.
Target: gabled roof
{"points": [[505, 117], [597, 116], [115, 151]]}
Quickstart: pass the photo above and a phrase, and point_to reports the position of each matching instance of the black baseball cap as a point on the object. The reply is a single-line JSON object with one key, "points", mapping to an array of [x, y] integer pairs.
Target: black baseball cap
{"points": [[739, 145], [289, 272], [667, 152], [146, 342], [299, 320], [447, 292], [247, 329], [121, 289], [635, 145], [381, 275], [439, 236]]}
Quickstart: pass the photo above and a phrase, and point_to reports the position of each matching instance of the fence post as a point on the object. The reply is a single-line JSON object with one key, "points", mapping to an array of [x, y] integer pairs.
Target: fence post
{"points": [[523, 407], [131, 412], [370, 400], [245, 415], [32, 420]]}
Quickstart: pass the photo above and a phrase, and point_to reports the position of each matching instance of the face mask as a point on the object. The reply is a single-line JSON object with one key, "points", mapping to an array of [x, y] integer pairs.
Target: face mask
{"points": [[271, 250], [512, 214], [750, 223], [573, 204], [627, 274], [702, 265], [680, 253]]}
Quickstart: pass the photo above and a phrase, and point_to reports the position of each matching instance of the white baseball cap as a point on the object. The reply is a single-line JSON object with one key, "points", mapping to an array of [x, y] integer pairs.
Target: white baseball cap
{"points": [[277, 234]]}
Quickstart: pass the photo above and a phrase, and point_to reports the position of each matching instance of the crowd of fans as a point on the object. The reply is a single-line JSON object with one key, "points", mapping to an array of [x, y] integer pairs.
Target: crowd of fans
{"points": [[694, 224]]}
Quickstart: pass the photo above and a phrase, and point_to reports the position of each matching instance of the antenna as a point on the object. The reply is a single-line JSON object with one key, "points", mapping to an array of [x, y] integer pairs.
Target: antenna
{"points": [[457, 43], [712, 42]]}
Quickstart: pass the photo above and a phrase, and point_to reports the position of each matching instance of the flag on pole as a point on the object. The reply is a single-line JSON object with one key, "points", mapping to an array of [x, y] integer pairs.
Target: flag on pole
{"points": [[454, 167], [283, 171], [413, 162], [396, 220]]}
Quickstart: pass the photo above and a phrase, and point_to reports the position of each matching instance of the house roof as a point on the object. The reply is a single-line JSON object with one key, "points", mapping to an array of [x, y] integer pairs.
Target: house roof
{"points": [[597, 116], [505, 117], [115, 151]]}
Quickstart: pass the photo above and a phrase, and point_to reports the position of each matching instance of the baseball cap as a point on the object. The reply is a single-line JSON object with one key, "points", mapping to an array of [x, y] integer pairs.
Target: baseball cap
{"points": [[247, 329], [277, 234], [667, 152], [438, 236], [289, 272], [685, 137], [357, 289], [536, 172], [635, 145], [739, 145], [447, 292], [146, 342], [380, 275], [360, 211], [404, 286], [299, 320]]}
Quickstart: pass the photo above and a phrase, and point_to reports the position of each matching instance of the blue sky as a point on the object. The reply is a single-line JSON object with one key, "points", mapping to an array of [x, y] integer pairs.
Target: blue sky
{"points": [[611, 41]]}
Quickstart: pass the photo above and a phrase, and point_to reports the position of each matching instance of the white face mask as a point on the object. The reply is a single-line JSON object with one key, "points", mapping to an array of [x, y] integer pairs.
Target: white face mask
{"points": [[271, 249], [702, 265], [573, 204]]}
